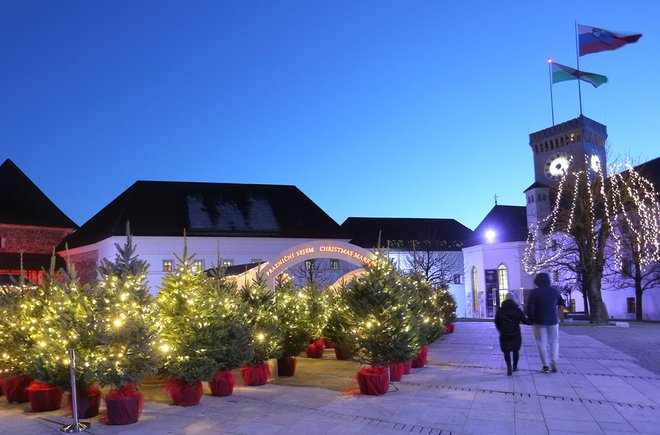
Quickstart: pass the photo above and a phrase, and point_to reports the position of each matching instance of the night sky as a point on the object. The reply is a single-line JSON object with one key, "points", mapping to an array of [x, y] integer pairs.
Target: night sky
{"points": [[372, 108]]}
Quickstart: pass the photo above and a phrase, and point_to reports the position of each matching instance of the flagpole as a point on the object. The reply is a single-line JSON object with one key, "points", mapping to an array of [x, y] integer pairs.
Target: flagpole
{"points": [[577, 58], [552, 102]]}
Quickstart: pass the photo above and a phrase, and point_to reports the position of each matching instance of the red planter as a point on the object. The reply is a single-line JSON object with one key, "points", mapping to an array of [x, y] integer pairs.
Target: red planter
{"points": [[450, 328], [2, 385], [407, 367], [286, 366], [254, 375], [223, 383], [123, 406], [44, 397], [396, 372], [373, 381], [328, 343], [420, 360], [15, 388], [315, 350], [339, 354], [88, 402], [183, 393]]}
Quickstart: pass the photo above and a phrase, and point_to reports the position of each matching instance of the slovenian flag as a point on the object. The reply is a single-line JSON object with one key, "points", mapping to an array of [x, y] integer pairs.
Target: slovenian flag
{"points": [[594, 40], [561, 73]]}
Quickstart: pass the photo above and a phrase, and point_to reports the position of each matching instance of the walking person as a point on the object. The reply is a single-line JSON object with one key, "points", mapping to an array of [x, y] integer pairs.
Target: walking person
{"points": [[541, 309], [507, 321]]}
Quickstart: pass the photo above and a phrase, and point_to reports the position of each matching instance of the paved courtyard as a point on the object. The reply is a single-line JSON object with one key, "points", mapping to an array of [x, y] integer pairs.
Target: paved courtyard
{"points": [[463, 390]]}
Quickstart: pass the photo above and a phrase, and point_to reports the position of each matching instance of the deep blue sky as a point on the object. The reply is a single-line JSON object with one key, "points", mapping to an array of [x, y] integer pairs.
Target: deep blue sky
{"points": [[372, 108]]}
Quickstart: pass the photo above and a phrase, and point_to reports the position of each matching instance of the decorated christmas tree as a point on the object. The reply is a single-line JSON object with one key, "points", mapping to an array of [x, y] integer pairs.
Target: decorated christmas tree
{"points": [[58, 315], [293, 312], [14, 350], [433, 308], [262, 315], [186, 307], [127, 319], [376, 308], [338, 326]]}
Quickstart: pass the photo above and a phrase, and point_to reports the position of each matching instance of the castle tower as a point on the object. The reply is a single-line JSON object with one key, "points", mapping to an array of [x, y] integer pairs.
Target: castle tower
{"points": [[577, 144]]}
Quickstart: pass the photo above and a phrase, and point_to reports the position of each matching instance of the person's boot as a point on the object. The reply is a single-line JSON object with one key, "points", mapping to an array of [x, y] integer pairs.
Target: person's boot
{"points": [[554, 368], [545, 369]]}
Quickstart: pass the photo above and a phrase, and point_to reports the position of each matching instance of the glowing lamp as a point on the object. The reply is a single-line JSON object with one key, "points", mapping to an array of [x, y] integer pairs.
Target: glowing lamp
{"points": [[490, 235]]}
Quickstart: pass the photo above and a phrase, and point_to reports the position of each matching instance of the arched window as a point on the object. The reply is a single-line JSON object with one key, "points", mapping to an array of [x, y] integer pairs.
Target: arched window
{"points": [[475, 290], [502, 281]]}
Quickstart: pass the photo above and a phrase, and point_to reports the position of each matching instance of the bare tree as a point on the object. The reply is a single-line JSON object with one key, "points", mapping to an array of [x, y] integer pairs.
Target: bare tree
{"points": [[438, 267]]}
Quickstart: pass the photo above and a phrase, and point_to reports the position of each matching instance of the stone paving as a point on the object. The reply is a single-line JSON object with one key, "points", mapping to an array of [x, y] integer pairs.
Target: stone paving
{"points": [[463, 390]]}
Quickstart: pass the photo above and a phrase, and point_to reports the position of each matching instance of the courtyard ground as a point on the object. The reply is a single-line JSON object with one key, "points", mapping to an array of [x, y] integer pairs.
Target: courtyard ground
{"points": [[463, 390]]}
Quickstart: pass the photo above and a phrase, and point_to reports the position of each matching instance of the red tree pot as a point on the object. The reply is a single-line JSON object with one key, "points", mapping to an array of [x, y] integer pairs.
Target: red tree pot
{"points": [[44, 397], [420, 360], [373, 381], [396, 372], [15, 388], [2, 385], [183, 393], [328, 343], [315, 350], [450, 328], [254, 375], [223, 383], [407, 367], [123, 406], [339, 354], [286, 366], [88, 402]]}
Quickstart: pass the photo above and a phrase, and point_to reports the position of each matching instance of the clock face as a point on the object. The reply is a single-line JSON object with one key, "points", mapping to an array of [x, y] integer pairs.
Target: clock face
{"points": [[595, 163], [556, 165]]}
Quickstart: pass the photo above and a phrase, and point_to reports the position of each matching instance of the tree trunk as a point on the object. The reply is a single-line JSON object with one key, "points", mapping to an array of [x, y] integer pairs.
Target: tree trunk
{"points": [[638, 298], [599, 313], [585, 298]]}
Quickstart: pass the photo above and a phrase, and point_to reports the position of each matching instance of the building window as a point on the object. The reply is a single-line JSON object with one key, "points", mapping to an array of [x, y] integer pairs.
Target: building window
{"points": [[3, 242], [226, 262], [256, 261], [197, 266], [630, 304], [457, 278], [334, 264], [626, 267], [475, 290], [502, 281], [555, 276], [309, 264], [168, 265]]}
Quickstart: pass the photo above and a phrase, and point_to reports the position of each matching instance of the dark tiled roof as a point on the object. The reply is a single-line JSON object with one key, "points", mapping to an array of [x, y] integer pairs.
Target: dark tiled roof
{"points": [[162, 208], [509, 222], [537, 184], [441, 234], [23, 203], [12, 261], [651, 171]]}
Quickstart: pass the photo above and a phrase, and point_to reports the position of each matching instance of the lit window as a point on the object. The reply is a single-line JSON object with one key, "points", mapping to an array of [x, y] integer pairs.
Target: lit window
{"points": [[168, 265], [334, 264], [3, 242], [227, 262], [309, 264], [197, 266], [475, 290], [502, 281]]}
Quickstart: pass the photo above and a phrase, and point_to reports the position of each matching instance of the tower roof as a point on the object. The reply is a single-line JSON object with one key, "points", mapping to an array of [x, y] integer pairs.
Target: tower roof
{"points": [[508, 223], [163, 208], [23, 203]]}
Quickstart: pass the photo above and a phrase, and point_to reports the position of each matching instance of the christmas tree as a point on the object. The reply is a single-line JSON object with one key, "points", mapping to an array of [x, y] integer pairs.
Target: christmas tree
{"points": [[433, 308], [58, 315], [338, 326], [262, 315], [293, 312], [377, 311], [127, 319], [187, 334], [14, 350]]}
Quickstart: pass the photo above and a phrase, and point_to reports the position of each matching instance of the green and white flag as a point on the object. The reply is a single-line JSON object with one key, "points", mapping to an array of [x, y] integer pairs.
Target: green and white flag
{"points": [[561, 73]]}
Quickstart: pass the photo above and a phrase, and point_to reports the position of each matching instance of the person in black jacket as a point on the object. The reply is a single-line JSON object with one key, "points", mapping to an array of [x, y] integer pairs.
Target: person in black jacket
{"points": [[507, 321], [542, 309]]}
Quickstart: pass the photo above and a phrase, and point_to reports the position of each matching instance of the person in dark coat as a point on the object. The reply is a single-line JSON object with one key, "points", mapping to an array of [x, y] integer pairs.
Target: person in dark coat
{"points": [[542, 309], [507, 321]]}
